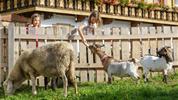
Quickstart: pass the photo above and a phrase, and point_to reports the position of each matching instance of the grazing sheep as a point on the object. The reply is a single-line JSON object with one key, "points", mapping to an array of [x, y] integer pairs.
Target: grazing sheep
{"points": [[115, 67], [51, 60], [161, 63]]}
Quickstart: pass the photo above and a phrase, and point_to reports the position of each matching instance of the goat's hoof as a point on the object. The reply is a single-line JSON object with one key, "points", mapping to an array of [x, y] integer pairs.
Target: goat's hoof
{"points": [[35, 93], [65, 95], [76, 92]]}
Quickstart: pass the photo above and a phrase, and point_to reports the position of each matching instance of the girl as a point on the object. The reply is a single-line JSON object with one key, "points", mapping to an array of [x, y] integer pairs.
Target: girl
{"points": [[35, 20], [93, 22]]}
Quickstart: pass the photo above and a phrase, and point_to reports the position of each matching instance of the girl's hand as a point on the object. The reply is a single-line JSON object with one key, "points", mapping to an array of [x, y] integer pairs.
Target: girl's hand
{"points": [[85, 43]]}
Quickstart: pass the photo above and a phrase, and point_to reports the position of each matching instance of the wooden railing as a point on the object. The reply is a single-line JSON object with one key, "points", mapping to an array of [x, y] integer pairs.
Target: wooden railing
{"points": [[89, 5]]}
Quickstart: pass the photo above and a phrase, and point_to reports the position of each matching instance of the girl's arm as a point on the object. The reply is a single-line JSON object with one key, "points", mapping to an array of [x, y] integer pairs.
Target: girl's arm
{"points": [[80, 29]]}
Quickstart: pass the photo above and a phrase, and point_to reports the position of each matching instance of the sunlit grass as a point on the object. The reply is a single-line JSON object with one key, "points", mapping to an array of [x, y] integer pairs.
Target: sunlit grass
{"points": [[118, 90]]}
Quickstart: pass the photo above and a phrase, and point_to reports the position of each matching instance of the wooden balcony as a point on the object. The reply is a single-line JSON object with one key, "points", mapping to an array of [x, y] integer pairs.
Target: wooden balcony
{"points": [[84, 7]]}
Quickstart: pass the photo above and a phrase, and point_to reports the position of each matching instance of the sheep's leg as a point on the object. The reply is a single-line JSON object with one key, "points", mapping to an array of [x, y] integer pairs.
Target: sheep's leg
{"points": [[53, 83], [165, 76], [71, 76], [46, 82], [33, 79], [61, 70]]}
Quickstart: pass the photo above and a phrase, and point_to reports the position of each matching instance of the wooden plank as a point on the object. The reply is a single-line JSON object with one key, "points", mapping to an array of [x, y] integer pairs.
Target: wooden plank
{"points": [[97, 58], [152, 42], [76, 50], [107, 48], [91, 75], [166, 29], [1, 70], [175, 49], [160, 43], [159, 30], [41, 81], [16, 50], [42, 2], [99, 37], [83, 76], [100, 76], [22, 30], [98, 31], [136, 49], [168, 41], [135, 44], [116, 49], [145, 47], [175, 43], [82, 53], [107, 31], [125, 45], [116, 31], [11, 32], [1, 45], [153, 47]]}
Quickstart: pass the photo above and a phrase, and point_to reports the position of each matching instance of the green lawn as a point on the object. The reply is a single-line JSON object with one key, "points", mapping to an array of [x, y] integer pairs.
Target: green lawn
{"points": [[118, 90]]}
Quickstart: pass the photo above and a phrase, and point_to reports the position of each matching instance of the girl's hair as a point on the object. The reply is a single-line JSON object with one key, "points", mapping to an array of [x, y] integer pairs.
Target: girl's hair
{"points": [[35, 15], [97, 16]]}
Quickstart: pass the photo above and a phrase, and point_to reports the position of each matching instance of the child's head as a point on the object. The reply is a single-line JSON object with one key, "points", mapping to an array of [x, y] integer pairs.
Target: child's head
{"points": [[35, 20], [95, 18]]}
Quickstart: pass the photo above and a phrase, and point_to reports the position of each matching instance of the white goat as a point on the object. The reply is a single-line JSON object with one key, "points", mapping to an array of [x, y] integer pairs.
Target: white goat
{"points": [[161, 63], [115, 67]]}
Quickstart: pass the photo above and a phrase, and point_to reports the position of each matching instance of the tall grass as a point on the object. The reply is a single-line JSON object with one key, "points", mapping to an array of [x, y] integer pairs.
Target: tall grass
{"points": [[118, 90]]}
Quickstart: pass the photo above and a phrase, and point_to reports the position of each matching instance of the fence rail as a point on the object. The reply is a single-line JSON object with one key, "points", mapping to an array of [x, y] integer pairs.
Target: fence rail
{"points": [[121, 43]]}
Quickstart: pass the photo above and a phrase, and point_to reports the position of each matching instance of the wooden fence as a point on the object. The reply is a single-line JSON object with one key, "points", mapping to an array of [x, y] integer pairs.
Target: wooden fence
{"points": [[132, 10], [121, 43]]}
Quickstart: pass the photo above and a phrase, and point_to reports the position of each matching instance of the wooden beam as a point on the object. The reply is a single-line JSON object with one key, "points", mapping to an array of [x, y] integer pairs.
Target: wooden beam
{"points": [[85, 13], [97, 37]]}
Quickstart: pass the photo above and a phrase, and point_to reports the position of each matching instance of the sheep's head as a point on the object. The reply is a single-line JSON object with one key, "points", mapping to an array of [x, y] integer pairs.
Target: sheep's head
{"points": [[8, 87], [95, 48], [11, 85], [166, 52]]}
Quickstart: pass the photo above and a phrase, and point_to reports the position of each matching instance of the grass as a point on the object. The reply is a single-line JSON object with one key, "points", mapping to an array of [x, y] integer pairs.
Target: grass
{"points": [[118, 90]]}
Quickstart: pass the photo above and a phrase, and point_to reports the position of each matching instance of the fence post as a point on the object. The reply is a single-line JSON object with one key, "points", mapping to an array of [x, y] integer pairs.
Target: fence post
{"points": [[1, 74], [11, 32]]}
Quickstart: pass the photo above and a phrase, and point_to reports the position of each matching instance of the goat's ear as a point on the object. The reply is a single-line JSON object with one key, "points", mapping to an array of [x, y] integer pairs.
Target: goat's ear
{"points": [[162, 51]]}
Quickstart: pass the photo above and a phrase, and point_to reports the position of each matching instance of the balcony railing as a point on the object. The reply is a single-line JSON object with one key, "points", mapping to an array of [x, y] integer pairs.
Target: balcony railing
{"points": [[89, 5]]}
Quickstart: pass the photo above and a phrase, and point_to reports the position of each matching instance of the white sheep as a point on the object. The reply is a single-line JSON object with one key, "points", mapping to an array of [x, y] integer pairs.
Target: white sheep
{"points": [[160, 63], [51, 60]]}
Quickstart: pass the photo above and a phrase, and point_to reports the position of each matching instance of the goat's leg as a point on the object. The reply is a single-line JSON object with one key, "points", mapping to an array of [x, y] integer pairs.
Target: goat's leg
{"points": [[33, 79], [109, 78], [145, 75], [165, 76]]}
